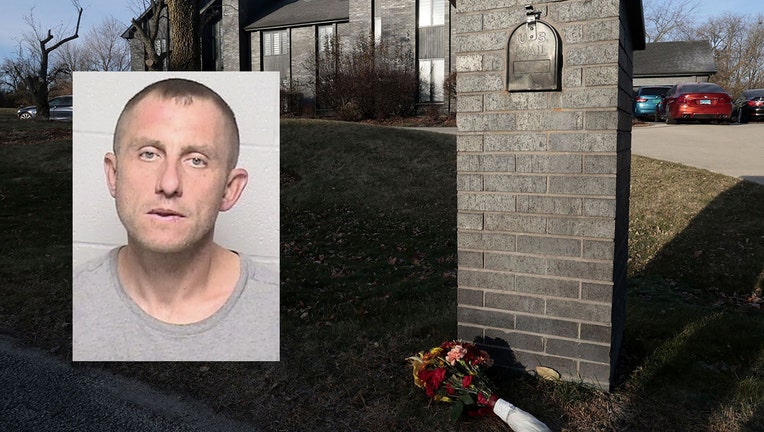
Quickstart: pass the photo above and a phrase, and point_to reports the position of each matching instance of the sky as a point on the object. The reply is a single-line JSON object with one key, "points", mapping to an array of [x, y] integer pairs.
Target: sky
{"points": [[54, 13], [710, 8]]}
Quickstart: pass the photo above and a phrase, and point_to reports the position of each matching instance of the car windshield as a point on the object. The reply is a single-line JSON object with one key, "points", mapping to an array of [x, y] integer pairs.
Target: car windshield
{"points": [[653, 91], [754, 94], [702, 88]]}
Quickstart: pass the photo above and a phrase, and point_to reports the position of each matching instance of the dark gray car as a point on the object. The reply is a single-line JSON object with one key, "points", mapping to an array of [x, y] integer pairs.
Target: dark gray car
{"points": [[60, 109], [749, 106]]}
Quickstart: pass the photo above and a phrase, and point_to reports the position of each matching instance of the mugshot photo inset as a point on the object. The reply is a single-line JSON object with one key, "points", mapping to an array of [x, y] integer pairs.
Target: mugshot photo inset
{"points": [[176, 217]]}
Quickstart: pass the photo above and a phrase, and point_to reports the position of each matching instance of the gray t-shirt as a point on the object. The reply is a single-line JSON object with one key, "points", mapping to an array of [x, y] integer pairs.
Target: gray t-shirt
{"points": [[107, 325]]}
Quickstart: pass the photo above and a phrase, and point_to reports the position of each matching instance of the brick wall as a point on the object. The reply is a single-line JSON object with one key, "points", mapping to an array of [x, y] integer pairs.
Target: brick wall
{"points": [[359, 14], [255, 48], [399, 22], [542, 180], [231, 26], [137, 61]]}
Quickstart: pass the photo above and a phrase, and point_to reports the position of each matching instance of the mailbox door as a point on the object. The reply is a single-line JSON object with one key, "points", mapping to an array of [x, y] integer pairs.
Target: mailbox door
{"points": [[533, 58]]}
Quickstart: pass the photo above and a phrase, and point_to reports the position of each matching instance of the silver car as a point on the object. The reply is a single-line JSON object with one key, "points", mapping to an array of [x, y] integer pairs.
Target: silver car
{"points": [[60, 109]]}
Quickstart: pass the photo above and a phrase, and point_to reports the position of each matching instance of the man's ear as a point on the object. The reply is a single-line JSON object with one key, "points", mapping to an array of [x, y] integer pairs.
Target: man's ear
{"points": [[237, 181], [110, 169]]}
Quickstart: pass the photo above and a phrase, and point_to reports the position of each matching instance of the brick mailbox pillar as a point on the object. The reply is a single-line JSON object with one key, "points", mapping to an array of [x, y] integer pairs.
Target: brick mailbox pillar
{"points": [[543, 180]]}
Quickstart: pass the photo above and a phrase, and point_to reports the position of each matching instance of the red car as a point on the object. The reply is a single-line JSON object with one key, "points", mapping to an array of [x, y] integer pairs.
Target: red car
{"points": [[695, 101]]}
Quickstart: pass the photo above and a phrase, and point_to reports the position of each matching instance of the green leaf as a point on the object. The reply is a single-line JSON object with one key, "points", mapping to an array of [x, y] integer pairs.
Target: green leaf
{"points": [[456, 411], [466, 399]]}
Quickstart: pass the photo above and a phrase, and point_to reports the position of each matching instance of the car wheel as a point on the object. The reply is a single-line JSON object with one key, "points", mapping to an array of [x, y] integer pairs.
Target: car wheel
{"points": [[741, 117], [656, 116], [25, 116], [669, 120]]}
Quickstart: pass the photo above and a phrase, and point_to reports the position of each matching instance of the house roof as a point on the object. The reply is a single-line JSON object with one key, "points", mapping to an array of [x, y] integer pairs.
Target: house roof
{"points": [[294, 13], [674, 58]]}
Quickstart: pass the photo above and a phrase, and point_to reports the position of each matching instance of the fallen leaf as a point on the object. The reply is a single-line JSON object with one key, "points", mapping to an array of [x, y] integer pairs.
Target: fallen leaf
{"points": [[547, 373]]}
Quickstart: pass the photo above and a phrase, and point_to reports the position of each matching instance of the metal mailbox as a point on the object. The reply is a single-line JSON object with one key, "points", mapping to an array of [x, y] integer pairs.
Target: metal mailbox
{"points": [[533, 56]]}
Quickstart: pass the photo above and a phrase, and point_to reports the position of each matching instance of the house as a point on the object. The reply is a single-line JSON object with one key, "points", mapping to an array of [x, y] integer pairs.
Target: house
{"points": [[289, 35], [225, 45], [669, 63]]}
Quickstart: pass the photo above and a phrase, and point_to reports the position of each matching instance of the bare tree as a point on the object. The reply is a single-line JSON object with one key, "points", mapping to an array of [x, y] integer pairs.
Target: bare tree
{"points": [[149, 30], [669, 20], [100, 49], [70, 57], [737, 41], [12, 78], [104, 49], [34, 67]]}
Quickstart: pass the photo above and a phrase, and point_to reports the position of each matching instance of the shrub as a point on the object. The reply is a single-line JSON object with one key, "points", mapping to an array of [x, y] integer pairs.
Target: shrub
{"points": [[370, 80], [290, 96], [449, 90]]}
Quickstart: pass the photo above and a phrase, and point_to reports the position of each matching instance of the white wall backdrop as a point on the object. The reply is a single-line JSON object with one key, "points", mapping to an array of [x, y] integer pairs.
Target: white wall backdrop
{"points": [[251, 227]]}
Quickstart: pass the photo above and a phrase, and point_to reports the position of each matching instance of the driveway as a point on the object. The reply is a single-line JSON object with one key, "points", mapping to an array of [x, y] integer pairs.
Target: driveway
{"points": [[42, 393], [736, 150]]}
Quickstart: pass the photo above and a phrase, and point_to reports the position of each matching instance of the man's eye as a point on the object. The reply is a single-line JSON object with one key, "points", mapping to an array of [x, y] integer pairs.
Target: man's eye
{"points": [[198, 162], [148, 155]]}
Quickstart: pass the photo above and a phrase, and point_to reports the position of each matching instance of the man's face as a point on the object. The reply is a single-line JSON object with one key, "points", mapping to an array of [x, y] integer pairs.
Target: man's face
{"points": [[170, 177]]}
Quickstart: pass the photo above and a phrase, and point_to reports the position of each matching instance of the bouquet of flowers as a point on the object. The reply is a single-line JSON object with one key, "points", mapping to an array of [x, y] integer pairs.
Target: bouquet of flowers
{"points": [[454, 372]]}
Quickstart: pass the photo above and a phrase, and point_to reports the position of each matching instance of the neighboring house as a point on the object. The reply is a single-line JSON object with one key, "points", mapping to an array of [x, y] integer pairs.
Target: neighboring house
{"points": [[669, 63], [288, 36], [225, 44]]}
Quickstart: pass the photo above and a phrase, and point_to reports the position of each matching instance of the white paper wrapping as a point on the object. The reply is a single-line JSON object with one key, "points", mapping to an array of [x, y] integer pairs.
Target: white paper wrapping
{"points": [[517, 419]]}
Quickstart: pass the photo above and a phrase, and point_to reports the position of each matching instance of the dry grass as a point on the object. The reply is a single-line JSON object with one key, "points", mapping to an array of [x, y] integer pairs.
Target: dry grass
{"points": [[368, 268]]}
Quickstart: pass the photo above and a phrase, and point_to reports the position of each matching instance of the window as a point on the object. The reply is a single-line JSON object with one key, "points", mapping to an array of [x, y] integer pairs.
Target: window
{"points": [[378, 29], [431, 77], [276, 53], [275, 43], [218, 45], [160, 46], [432, 13], [377, 15], [325, 37]]}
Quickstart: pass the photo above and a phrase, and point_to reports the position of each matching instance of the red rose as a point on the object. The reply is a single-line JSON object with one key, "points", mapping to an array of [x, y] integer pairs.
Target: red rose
{"points": [[450, 389], [467, 381], [437, 377], [431, 379]]}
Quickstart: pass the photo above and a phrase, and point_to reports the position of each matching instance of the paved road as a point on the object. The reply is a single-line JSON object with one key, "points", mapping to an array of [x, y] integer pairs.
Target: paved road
{"points": [[41, 393], [736, 150]]}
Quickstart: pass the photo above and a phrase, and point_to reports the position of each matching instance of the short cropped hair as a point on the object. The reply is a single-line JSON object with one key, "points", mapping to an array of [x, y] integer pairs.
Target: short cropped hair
{"points": [[183, 91]]}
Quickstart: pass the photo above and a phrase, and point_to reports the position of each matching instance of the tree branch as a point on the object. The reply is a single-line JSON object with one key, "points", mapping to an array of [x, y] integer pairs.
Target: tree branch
{"points": [[67, 39]]}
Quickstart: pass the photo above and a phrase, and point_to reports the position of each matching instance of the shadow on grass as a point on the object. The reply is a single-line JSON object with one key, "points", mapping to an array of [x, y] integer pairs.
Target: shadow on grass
{"points": [[722, 249], [693, 348]]}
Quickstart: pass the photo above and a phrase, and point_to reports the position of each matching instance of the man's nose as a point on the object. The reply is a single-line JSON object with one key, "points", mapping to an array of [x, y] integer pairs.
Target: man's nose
{"points": [[170, 179]]}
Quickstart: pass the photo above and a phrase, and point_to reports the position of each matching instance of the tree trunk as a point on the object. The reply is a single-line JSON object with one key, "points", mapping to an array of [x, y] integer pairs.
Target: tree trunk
{"points": [[40, 90], [185, 54]]}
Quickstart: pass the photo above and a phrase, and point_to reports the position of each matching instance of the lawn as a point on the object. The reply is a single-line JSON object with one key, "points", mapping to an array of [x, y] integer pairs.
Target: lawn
{"points": [[368, 265]]}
